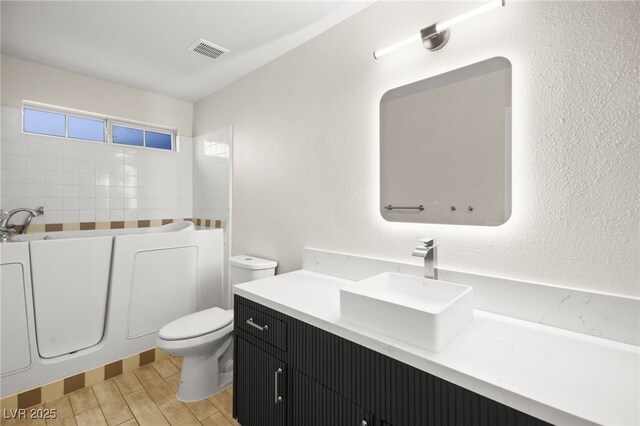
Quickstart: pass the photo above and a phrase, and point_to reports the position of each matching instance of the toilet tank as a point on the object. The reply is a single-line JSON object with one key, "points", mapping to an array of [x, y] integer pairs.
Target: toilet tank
{"points": [[245, 268]]}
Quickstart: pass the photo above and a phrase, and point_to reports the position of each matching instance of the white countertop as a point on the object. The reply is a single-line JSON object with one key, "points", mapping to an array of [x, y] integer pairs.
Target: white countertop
{"points": [[559, 376]]}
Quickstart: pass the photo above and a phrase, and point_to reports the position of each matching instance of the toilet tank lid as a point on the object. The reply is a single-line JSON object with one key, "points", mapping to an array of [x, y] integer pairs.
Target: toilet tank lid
{"points": [[196, 324], [250, 262]]}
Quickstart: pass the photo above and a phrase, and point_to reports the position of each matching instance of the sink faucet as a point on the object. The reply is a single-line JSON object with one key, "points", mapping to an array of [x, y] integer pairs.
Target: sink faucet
{"points": [[428, 250], [7, 230]]}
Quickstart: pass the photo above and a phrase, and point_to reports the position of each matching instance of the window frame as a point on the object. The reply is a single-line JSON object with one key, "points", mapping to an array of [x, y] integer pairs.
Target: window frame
{"points": [[49, 110], [145, 129], [104, 127], [108, 123]]}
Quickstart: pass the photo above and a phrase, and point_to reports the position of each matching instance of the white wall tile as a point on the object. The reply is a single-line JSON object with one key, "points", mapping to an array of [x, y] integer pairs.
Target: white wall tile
{"points": [[70, 191], [131, 214], [87, 191], [52, 177], [101, 168], [52, 203], [86, 203], [88, 215], [35, 190], [71, 203], [54, 190], [54, 164], [117, 215], [87, 167], [71, 165], [52, 216], [71, 178], [13, 161], [70, 216], [102, 191], [116, 192], [117, 204], [103, 203], [103, 215], [14, 175], [35, 176], [88, 181]]}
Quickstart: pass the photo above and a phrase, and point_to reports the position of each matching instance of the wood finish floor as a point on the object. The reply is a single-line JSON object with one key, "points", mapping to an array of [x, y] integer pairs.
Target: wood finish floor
{"points": [[145, 396]]}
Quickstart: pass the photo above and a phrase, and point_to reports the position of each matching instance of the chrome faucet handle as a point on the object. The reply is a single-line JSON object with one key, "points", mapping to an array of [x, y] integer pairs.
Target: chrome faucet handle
{"points": [[428, 242], [7, 232], [4, 218], [425, 247]]}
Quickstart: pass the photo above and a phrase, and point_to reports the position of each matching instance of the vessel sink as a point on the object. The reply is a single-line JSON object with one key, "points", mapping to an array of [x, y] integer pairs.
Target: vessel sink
{"points": [[423, 312]]}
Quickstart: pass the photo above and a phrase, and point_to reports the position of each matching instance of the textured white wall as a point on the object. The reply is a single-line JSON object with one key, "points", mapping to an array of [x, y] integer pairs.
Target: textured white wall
{"points": [[306, 142]]}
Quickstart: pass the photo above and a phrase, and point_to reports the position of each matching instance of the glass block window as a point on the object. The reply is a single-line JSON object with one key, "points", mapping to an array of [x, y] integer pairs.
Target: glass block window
{"points": [[89, 129], [44, 122], [127, 135]]}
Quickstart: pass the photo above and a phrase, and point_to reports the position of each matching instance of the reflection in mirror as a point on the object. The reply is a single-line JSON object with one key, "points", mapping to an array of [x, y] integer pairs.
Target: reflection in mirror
{"points": [[445, 147]]}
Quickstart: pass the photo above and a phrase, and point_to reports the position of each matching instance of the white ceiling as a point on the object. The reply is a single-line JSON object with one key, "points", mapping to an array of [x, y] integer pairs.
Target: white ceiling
{"points": [[144, 44]]}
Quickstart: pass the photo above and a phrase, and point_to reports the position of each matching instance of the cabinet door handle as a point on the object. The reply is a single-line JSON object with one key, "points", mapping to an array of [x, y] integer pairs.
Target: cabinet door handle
{"points": [[254, 325], [278, 397]]}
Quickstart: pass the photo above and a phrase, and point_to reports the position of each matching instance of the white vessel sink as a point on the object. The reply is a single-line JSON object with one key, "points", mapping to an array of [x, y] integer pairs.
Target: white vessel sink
{"points": [[420, 311]]}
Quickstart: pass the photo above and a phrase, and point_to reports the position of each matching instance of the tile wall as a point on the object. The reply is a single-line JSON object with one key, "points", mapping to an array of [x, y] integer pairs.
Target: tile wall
{"points": [[80, 181], [59, 388], [211, 175], [212, 183]]}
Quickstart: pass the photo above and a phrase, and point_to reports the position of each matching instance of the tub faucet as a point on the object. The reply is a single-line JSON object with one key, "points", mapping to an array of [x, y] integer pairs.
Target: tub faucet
{"points": [[7, 230], [428, 250]]}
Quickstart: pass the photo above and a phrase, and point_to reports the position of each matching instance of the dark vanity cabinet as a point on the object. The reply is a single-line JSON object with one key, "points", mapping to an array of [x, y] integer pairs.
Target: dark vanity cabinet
{"points": [[313, 404], [289, 373], [259, 375]]}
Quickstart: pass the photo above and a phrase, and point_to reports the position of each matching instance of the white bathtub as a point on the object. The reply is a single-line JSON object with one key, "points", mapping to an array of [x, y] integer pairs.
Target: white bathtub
{"points": [[72, 301]]}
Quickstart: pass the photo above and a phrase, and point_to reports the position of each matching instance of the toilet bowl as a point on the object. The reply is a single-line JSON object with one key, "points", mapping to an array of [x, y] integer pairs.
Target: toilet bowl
{"points": [[204, 340]]}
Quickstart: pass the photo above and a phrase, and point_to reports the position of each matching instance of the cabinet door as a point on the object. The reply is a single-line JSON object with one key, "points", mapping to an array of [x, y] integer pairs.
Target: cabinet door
{"points": [[260, 387], [316, 405]]}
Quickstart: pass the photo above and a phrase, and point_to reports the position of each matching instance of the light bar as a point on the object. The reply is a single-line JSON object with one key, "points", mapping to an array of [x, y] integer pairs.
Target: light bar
{"points": [[380, 53], [435, 36]]}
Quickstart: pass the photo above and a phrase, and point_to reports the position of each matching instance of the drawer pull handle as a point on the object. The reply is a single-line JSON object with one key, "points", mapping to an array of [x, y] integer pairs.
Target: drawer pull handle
{"points": [[278, 397], [254, 325]]}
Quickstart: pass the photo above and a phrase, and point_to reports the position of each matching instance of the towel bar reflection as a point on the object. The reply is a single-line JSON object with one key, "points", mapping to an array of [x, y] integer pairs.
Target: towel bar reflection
{"points": [[390, 207]]}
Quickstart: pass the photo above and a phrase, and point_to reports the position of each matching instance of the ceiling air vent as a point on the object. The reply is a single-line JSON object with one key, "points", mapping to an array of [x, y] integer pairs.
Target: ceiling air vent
{"points": [[206, 48]]}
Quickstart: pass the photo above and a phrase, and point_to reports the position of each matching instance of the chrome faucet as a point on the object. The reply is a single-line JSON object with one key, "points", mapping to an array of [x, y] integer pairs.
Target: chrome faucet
{"points": [[429, 251], [7, 230]]}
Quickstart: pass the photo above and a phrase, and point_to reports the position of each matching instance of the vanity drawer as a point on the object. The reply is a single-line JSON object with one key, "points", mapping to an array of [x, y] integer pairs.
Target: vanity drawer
{"points": [[262, 325]]}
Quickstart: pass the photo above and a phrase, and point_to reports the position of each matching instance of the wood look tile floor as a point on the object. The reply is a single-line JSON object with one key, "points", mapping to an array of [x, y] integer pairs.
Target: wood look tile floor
{"points": [[145, 396]]}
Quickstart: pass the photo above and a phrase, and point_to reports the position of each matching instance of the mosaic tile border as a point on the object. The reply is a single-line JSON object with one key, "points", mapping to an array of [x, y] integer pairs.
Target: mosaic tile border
{"points": [[89, 226], [62, 387]]}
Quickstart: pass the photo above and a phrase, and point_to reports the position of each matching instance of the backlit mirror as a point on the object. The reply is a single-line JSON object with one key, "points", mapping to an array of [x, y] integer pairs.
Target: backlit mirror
{"points": [[445, 147]]}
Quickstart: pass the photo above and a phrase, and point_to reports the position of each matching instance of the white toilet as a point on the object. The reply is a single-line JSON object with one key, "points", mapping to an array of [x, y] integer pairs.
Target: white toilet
{"points": [[205, 338]]}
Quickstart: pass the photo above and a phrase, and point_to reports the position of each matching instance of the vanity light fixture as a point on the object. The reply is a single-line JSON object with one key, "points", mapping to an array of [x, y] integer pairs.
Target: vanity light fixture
{"points": [[435, 36]]}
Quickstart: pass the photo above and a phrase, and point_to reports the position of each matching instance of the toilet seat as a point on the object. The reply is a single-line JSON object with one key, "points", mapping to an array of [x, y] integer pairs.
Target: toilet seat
{"points": [[196, 325]]}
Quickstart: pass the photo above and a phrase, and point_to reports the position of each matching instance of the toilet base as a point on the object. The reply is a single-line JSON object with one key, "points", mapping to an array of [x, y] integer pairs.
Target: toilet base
{"points": [[205, 375]]}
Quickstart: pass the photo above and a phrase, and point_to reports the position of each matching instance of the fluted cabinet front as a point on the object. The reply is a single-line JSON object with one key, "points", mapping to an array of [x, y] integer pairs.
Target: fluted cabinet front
{"points": [[260, 381], [331, 381]]}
